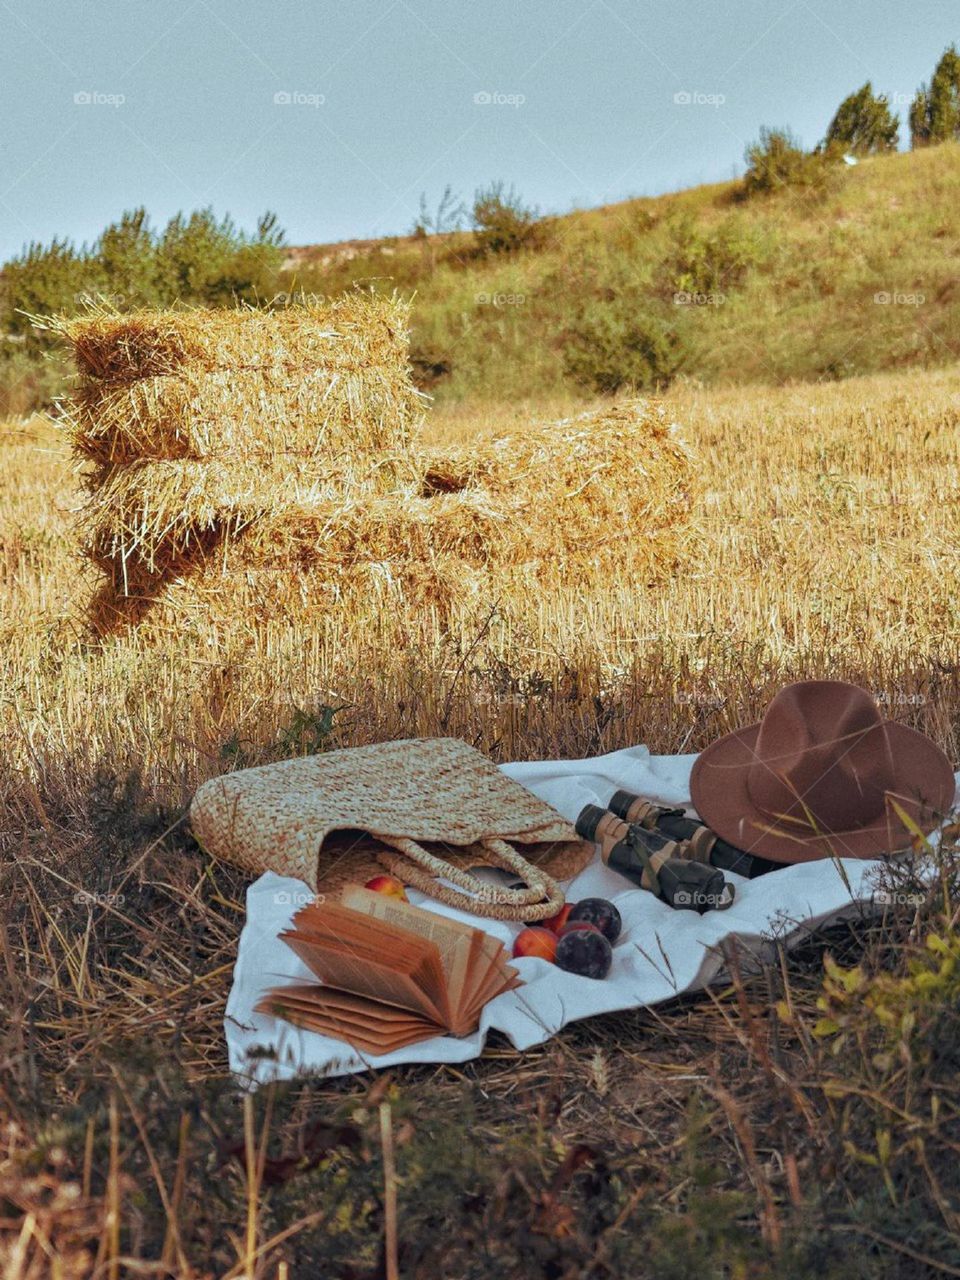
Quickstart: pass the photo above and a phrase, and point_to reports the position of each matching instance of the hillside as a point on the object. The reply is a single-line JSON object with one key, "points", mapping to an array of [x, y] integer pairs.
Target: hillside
{"points": [[799, 285]]}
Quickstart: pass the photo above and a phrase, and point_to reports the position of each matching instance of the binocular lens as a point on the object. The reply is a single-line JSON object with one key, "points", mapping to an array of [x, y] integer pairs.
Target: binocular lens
{"points": [[588, 821], [620, 803]]}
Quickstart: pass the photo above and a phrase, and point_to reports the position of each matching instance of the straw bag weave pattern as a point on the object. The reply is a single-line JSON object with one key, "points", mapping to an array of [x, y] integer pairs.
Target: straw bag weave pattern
{"points": [[424, 808]]}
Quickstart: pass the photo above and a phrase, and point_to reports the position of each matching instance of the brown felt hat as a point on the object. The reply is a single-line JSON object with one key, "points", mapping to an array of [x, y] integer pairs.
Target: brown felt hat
{"points": [[819, 777]]}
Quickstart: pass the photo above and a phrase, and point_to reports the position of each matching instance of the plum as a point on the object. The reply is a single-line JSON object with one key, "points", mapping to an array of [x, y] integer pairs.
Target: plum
{"points": [[585, 952], [573, 925], [599, 912]]}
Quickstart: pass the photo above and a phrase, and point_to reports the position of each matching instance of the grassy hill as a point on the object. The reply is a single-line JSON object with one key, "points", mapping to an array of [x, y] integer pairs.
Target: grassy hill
{"points": [[701, 284]]}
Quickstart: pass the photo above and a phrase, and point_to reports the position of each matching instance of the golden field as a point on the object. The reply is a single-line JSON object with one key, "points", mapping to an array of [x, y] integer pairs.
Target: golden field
{"points": [[728, 1134], [823, 540]]}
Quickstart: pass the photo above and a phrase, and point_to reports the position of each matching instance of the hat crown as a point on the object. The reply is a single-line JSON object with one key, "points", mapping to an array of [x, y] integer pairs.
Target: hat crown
{"points": [[822, 759]]}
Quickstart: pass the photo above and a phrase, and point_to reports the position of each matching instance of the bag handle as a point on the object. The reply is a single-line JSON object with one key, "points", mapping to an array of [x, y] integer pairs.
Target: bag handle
{"points": [[541, 898]]}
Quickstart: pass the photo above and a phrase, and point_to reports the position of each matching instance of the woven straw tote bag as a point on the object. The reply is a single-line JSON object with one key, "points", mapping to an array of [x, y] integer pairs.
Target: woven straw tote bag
{"points": [[426, 809]]}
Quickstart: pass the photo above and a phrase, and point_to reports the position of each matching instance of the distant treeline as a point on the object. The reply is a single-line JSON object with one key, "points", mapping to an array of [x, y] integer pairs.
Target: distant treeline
{"points": [[621, 330]]}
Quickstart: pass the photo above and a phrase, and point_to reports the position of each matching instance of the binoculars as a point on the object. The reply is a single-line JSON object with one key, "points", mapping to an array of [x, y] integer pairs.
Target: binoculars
{"points": [[670, 869], [704, 844]]}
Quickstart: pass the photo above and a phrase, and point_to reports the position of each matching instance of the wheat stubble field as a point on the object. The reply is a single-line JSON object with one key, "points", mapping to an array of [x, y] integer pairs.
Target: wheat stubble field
{"points": [[824, 535], [823, 539]]}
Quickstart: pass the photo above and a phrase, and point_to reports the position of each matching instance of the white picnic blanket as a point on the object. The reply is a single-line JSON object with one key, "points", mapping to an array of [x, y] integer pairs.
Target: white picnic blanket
{"points": [[661, 952]]}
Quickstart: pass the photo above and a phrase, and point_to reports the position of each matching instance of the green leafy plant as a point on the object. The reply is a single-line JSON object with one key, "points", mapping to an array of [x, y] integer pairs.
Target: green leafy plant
{"points": [[617, 345], [777, 162], [709, 261], [502, 222]]}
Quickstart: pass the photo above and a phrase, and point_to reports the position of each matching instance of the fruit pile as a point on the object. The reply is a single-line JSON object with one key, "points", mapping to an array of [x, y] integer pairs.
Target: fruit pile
{"points": [[579, 938]]}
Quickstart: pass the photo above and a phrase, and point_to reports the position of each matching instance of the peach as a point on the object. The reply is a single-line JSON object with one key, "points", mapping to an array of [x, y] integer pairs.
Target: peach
{"points": [[535, 941], [557, 922], [389, 885]]}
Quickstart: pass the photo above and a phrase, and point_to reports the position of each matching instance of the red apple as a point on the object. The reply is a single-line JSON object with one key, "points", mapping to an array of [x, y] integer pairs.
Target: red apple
{"points": [[389, 885], [535, 942]]}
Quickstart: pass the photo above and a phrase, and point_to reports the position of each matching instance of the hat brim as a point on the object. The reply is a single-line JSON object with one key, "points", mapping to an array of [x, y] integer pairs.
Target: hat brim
{"points": [[924, 789]]}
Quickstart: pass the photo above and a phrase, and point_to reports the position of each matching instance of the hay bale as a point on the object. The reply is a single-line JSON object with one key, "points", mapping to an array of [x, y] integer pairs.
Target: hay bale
{"points": [[600, 492], [569, 503], [250, 462], [345, 334], [141, 518], [326, 381], [281, 563], [197, 414]]}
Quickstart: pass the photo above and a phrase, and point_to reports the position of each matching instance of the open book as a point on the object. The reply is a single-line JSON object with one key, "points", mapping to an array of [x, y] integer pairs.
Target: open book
{"points": [[389, 973]]}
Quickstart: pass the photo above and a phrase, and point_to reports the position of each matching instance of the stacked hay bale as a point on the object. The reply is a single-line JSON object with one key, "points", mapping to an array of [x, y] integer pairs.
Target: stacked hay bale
{"points": [[599, 495], [265, 463], [198, 424]]}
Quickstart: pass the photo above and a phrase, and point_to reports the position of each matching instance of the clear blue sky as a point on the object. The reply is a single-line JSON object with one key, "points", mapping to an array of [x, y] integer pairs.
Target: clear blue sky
{"points": [[583, 110]]}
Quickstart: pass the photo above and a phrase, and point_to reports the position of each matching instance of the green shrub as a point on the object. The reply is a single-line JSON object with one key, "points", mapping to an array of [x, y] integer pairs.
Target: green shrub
{"points": [[205, 261], [502, 222], [617, 345], [777, 161], [709, 262], [29, 381], [44, 280]]}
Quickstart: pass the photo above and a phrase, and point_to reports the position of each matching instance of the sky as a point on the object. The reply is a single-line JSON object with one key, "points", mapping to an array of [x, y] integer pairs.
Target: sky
{"points": [[337, 116]]}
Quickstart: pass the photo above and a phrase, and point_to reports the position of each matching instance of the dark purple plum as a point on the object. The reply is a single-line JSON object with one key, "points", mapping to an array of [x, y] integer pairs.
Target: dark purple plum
{"points": [[585, 952], [599, 912]]}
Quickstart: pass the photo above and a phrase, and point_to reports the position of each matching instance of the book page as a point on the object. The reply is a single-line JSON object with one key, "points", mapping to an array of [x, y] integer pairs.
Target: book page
{"points": [[338, 962], [457, 943], [367, 1034]]}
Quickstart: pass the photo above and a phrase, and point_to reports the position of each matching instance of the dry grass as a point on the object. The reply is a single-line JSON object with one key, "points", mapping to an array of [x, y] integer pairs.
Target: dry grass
{"points": [[823, 540]]}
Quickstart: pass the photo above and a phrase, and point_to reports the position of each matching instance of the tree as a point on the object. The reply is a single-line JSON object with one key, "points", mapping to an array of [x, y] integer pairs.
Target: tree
{"points": [[203, 260], [126, 254], [935, 111], [864, 124], [920, 118], [44, 280], [449, 215]]}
